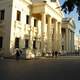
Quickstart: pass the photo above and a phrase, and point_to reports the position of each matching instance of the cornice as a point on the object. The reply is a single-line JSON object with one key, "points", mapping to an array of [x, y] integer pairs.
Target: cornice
{"points": [[46, 4], [54, 10], [27, 1]]}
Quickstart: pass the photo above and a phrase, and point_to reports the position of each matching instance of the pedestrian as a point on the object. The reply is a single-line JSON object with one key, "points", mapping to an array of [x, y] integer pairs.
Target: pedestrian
{"points": [[43, 54], [56, 54], [52, 53], [17, 55], [20, 51]]}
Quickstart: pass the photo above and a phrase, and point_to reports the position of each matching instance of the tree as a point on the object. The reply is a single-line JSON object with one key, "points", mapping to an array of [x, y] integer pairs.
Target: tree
{"points": [[69, 5]]}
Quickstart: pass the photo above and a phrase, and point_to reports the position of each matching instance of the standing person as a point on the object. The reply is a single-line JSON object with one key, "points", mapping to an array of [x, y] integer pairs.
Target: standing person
{"points": [[20, 51], [52, 53], [17, 55], [56, 54]]}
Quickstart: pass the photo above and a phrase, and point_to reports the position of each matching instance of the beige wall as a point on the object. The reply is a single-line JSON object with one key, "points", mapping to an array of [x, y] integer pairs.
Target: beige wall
{"points": [[7, 6], [43, 32], [68, 34]]}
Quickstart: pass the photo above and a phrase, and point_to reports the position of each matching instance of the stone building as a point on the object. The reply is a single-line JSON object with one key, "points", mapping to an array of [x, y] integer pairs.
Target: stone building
{"points": [[35, 25], [77, 42], [68, 30]]}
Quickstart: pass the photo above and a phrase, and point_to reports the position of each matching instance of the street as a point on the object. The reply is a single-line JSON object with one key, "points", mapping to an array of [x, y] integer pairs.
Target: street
{"points": [[40, 69]]}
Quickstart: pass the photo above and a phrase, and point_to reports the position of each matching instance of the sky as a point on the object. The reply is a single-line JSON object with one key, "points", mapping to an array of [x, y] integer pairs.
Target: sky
{"points": [[74, 15]]}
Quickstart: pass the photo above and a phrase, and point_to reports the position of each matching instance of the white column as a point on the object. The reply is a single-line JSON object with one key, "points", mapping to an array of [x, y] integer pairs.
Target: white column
{"points": [[31, 34], [59, 36], [49, 35], [55, 36], [67, 40], [72, 41], [43, 21]]}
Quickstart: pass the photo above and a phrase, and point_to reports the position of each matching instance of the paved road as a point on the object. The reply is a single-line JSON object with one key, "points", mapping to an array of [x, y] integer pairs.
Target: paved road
{"points": [[42, 69]]}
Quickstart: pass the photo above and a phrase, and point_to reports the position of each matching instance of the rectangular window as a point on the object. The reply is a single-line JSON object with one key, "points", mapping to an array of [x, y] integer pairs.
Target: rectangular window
{"points": [[35, 23], [62, 47], [27, 19], [26, 43], [1, 42], [17, 42], [53, 0], [18, 16], [34, 44], [2, 14]]}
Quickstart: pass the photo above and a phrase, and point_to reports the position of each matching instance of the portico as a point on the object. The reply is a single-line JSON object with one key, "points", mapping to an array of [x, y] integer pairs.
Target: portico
{"points": [[68, 27], [50, 26], [34, 25]]}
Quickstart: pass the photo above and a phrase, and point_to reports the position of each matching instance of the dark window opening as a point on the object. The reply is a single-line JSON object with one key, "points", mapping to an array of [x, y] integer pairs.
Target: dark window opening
{"points": [[34, 44], [27, 19], [2, 13], [18, 15], [62, 47], [1, 42], [53, 0], [26, 43], [35, 23], [17, 43]]}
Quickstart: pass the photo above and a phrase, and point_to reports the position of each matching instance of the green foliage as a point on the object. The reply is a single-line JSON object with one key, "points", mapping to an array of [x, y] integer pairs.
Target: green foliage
{"points": [[69, 5]]}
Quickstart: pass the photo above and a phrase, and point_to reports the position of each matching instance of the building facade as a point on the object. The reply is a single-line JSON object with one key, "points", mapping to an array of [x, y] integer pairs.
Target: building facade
{"points": [[77, 42], [35, 25], [68, 30]]}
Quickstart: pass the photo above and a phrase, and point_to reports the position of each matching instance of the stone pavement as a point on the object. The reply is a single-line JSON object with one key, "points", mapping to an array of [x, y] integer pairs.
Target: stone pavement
{"points": [[40, 69], [58, 57]]}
